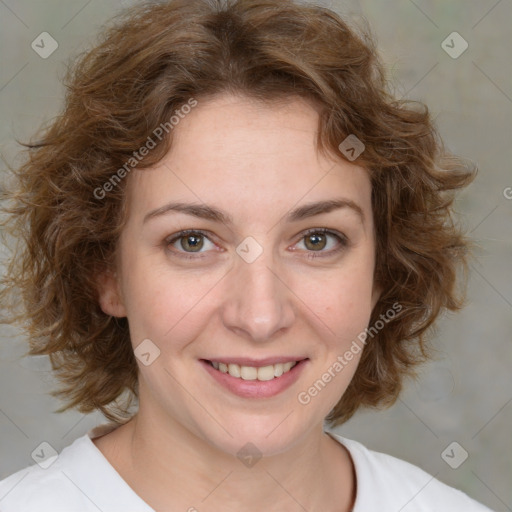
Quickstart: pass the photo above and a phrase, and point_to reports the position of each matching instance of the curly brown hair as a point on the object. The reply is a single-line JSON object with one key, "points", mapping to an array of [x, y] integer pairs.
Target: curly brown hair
{"points": [[153, 59]]}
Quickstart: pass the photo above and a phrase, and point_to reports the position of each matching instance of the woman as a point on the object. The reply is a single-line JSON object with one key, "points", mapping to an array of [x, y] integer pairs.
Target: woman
{"points": [[233, 227]]}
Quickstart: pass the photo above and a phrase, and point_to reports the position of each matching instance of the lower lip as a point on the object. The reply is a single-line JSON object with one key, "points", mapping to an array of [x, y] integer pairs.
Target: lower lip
{"points": [[256, 388]]}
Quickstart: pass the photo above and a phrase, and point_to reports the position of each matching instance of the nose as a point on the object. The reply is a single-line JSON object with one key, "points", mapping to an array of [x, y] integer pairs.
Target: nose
{"points": [[258, 303]]}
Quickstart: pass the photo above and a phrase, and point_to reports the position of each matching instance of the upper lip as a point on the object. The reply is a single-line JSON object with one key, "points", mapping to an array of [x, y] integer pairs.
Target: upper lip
{"points": [[257, 363]]}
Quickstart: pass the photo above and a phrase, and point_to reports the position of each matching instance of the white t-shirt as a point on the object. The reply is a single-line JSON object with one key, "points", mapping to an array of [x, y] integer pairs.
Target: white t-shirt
{"points": [[80, 479]]}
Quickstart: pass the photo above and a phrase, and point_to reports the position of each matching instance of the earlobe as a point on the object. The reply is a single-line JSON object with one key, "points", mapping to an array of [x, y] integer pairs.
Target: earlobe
{"points": [[109, 296]]}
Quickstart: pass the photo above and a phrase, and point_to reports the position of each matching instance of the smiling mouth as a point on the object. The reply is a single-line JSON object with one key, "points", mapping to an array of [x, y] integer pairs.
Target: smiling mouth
{"points": [[261, 373]]}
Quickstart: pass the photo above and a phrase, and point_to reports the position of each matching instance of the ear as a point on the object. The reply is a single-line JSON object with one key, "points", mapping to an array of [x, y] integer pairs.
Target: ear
{"points": [[109, 295]]}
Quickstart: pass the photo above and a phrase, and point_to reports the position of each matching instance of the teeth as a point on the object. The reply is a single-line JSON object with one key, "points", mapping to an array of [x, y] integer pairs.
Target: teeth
{"points": [[234, 370], [266, 372], [261, 373], [248, 372]]}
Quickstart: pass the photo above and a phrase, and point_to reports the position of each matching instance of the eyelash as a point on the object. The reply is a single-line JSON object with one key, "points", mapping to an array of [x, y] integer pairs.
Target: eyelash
{"points": [[343, 242]]}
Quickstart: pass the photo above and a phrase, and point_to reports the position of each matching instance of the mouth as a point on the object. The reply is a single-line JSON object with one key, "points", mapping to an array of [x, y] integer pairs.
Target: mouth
{"points": [[261, 373], [255, 379]]}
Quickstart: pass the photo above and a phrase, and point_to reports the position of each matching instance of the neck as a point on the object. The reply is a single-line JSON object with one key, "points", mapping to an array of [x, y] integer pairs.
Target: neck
{"points": [[171, 468]]}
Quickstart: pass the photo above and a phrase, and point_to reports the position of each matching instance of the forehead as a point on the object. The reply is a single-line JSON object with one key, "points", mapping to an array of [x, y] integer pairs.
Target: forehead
{"points": [[249, 156]]}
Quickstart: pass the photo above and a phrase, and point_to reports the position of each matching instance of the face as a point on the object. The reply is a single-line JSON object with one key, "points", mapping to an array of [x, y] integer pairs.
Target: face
{"points": [[275, 269]]}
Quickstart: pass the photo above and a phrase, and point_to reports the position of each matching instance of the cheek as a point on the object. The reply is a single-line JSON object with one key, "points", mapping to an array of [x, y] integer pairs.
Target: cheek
{"points": [[166, 304], [163, 305], [341, 300]]}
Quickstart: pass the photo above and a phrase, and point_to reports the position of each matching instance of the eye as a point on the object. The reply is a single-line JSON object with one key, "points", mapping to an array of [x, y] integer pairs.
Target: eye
{"points": [[318, 239], [189, 241]]}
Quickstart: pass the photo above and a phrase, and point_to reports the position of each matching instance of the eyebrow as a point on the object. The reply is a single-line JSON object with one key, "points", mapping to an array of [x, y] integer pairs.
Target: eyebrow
{"points": [[204, 211]]}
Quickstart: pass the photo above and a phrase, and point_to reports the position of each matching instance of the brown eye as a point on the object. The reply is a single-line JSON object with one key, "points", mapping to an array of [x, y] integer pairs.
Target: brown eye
{"points": [[315, 241], [321, 242], [188, 243], [192, 243]]}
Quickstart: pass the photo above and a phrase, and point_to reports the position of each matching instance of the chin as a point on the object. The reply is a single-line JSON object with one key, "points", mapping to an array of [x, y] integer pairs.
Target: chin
{"points": [[265, 435]]}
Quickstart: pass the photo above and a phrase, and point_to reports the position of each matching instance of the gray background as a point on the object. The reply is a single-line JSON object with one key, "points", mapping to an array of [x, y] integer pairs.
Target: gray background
{"points": [[465, 396]]}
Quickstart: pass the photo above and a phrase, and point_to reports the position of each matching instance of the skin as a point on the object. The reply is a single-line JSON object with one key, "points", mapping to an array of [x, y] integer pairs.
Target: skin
{"points": [[255, 162]]}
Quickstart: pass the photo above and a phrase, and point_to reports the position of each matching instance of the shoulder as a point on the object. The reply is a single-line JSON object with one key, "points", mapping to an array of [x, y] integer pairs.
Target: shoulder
{"points": [[387, 483], [79, 479], [36, 487]]}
